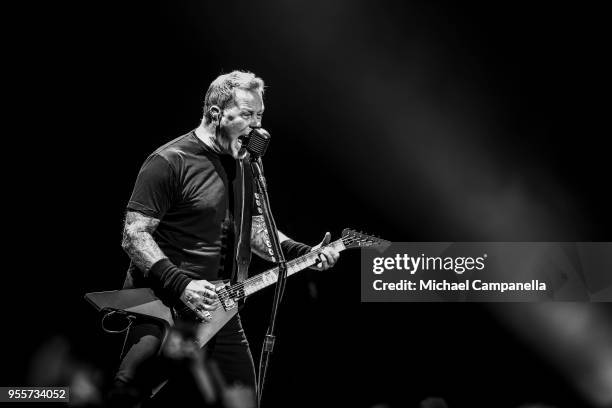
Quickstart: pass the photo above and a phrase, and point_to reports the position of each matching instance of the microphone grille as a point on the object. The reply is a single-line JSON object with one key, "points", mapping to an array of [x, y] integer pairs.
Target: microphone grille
{"points": [[258, 142]]}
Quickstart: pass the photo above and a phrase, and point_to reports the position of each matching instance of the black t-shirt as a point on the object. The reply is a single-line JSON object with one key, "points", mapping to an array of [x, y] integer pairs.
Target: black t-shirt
{"points": [[190, 189]]}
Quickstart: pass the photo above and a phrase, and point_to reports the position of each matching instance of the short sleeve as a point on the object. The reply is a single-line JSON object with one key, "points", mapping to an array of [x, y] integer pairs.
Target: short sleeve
{"points": [[154, 189]]}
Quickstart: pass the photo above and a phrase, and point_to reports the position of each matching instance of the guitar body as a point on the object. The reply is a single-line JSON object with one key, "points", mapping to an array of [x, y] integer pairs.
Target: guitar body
{"points": [[144, 303]]}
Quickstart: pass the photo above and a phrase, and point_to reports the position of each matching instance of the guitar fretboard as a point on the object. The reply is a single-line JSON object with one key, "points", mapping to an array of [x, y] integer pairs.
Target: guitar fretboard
{"points": [[269, 277]]}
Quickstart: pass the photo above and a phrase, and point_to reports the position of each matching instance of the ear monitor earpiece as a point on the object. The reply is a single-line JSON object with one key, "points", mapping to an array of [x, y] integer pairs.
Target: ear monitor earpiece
{"points": [[214, 115]]}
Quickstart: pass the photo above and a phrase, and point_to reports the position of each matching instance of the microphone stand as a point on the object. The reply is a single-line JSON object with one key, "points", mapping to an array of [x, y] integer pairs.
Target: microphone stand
{"points": [[269, 340]]}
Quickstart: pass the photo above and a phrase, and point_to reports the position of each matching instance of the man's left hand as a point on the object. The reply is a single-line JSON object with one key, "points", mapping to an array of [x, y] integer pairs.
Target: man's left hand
{"points": [[328, 256]]}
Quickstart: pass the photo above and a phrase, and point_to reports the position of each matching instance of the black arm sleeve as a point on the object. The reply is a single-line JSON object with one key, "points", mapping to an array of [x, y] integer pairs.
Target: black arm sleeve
{"points": [[293, 249], [167, 281]]}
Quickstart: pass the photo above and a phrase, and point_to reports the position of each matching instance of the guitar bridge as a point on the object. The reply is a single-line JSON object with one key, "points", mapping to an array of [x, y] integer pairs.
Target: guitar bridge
{"points": [[226, 299]]}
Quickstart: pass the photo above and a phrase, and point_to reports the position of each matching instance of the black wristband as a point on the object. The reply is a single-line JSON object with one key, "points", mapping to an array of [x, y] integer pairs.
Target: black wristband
{"points": [[293, 249], [167, 281]]}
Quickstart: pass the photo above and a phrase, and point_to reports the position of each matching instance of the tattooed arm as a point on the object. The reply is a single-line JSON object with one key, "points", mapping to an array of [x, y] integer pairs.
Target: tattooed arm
{"points": [[259, 237], [138, 240], [260, 240]]}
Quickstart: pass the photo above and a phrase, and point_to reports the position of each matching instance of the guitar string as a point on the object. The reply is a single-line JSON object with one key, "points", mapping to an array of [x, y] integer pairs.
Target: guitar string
{"points": [[240, 285], [231, 292]]}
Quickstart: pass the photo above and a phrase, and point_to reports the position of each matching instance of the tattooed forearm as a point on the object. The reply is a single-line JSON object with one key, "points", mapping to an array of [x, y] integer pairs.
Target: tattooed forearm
{"points": [[260, 241], [138, 241], [259, 238]]}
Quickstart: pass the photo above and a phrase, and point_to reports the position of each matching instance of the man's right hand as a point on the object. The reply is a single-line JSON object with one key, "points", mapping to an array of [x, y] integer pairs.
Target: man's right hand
{"points": [[201, 297]]}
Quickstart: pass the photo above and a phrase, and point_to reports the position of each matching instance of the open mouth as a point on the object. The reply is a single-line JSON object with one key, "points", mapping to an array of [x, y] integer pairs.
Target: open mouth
{"points": [[243, 139]]}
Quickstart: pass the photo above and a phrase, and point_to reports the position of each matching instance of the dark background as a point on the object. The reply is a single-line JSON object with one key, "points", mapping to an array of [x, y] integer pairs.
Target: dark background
{"points": [[416, 121]]}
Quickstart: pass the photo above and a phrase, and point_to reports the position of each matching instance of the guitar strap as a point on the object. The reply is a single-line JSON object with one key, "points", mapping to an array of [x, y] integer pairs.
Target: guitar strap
{"points": [[243, 206]]}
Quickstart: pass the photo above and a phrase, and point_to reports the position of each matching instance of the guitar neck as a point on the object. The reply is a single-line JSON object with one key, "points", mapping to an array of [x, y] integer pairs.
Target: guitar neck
{"points": [[269, 277]]}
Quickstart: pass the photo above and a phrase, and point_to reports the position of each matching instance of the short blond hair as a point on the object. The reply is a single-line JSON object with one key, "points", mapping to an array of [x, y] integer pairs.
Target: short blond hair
{"points": [[221, 90]]}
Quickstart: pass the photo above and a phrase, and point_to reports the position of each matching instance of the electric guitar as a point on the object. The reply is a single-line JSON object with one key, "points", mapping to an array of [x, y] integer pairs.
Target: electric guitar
{"points": [[143, 302]]}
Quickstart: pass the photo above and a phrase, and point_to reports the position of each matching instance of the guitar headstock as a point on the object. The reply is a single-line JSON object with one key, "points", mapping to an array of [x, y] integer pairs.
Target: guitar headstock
{"points": [[354, 239]]}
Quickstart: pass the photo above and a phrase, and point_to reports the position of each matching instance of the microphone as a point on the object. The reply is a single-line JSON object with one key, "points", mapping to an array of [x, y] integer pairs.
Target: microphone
{"points": [[257, 142]]}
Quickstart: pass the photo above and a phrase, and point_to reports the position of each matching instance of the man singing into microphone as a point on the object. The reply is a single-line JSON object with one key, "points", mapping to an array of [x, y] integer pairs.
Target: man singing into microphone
{"points": [[189, 221]]}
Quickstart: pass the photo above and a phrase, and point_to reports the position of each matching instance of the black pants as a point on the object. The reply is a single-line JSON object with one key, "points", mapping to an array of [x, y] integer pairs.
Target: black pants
{"points": [[142, 369]]}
